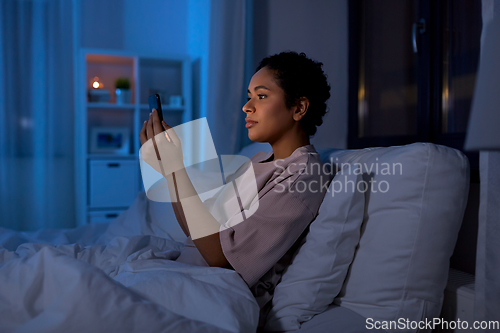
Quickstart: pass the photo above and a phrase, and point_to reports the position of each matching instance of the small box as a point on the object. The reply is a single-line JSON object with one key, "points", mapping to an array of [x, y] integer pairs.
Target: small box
{"points": [[175, 101], [99, 95]]}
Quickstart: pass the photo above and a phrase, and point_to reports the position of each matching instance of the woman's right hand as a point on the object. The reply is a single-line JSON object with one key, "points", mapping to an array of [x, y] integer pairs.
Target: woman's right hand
{"points": [[160, 146], [152, 127]]}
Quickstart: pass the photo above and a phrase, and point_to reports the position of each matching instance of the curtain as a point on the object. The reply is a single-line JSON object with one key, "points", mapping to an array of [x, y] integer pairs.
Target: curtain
{"points": [[36, 114], [230, 67], [487, 285]]}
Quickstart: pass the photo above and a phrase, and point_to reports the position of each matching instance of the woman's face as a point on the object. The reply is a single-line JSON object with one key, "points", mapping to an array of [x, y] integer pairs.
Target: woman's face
{"points": [[268, 118]]}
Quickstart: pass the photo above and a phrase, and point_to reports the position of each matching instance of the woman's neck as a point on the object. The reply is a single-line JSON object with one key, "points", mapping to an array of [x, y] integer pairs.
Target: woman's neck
{"points": [[287, 145]]}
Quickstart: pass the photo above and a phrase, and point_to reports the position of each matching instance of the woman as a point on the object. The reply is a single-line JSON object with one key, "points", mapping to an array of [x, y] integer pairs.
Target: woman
{"points": [[286, 102]]}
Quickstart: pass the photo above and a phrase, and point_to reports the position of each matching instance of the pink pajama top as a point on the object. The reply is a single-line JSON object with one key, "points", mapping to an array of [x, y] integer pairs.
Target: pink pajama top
{"points": [[290, 192]]}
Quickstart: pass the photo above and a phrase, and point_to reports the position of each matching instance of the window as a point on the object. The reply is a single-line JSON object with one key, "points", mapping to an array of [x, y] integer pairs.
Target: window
{"points": [[412, 72]]}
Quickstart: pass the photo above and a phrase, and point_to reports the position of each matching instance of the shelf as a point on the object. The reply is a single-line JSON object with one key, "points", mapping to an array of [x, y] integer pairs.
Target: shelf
{"points": [[131, 106], [96, 174], [91, 210], [111, 157], [110, 59], [110, 106], [165, 107]]}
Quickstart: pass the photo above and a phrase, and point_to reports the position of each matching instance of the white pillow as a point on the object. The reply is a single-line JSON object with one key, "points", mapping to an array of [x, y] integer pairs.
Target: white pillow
{"points": [[161, 218], [413, 214], [320, 266]]}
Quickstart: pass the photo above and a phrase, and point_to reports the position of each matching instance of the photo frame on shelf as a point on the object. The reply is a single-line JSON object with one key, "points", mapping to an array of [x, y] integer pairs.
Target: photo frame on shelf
{"points": [[110, 140]]}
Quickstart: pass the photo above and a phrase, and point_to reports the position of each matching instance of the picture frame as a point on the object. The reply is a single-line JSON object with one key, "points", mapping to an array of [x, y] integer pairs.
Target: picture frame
{"points": [[110, 140]]}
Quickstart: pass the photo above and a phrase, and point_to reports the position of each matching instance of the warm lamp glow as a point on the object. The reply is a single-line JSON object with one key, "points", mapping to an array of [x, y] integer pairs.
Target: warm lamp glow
{"points": [[96, 84]]}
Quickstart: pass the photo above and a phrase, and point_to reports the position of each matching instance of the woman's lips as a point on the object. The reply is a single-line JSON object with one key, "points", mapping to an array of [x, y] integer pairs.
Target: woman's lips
{"points": [[250, 124]]}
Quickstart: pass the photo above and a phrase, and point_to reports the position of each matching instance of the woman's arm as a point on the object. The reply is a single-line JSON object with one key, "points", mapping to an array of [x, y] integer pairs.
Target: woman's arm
{"points": [[202, 226], [176, 206], [193, 217]]}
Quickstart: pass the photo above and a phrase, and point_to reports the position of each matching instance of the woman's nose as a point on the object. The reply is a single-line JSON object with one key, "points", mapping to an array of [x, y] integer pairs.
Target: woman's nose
{"points": [[248, 107]]}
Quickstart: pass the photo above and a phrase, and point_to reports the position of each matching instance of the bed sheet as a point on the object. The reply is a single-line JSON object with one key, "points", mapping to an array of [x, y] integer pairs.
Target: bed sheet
{"points": [[119, 276]]}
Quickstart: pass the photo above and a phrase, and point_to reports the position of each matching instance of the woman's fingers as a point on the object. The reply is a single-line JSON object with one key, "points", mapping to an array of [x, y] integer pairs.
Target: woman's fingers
{"points": [[153, 126], [166, 127], [142, 134], [149, 127], [171, 135], [157, 126]]}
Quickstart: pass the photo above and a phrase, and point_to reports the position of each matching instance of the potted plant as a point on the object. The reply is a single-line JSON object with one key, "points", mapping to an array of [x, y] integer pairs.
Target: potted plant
{"points": [[123, 93]]}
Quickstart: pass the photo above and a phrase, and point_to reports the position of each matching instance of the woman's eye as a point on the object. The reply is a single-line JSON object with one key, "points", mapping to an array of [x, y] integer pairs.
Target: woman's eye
{"points": [[260, 97]]}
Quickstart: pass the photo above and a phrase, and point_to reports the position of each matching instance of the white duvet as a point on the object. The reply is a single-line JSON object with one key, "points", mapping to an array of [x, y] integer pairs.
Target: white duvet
{"points": [[120, 277]]}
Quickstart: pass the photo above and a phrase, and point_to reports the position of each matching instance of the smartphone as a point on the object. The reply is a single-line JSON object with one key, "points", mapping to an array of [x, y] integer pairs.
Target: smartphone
{"points": [[155, 103]]}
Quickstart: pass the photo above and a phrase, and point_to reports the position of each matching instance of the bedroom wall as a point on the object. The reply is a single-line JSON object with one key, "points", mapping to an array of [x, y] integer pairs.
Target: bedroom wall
{"points": [[101, 24], [318, 28], [137, 26], [156, 26]]}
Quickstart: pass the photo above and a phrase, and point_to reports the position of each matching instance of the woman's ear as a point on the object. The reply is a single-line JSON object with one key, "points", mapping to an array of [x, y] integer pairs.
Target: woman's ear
{"points": [[301, 108]]}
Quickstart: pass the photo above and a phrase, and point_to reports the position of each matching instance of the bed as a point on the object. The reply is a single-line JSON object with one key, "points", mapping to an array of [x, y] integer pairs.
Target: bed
{"points": [[389, 260], [116, 277]]}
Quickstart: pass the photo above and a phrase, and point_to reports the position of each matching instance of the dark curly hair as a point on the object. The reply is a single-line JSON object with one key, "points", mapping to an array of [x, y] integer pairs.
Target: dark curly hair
{"points": [[300, 76]]}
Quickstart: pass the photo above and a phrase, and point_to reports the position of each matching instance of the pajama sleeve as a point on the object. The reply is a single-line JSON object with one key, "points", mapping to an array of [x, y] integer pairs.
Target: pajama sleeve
{"points": [[255, 245]]}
